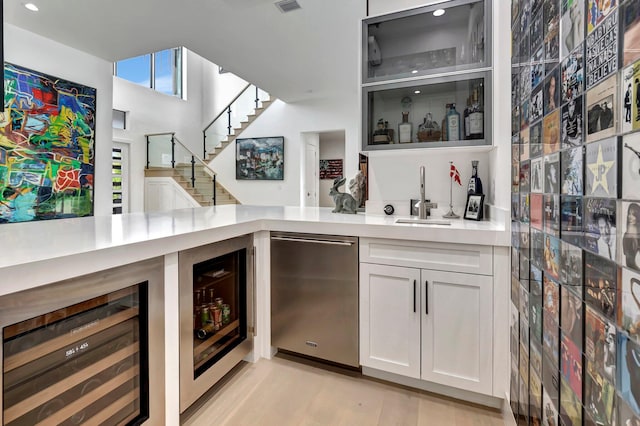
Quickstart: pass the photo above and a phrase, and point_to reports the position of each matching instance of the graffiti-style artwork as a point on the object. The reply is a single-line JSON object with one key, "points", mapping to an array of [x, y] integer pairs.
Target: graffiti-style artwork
{"points": [[47, 137]]}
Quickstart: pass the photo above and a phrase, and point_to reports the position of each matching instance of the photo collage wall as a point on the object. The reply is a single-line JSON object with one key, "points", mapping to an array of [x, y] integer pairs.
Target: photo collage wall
{"points": [[575, 206]]}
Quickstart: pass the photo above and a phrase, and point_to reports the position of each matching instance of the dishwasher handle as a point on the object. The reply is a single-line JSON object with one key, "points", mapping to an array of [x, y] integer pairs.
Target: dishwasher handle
{"points": [[314, 241]]}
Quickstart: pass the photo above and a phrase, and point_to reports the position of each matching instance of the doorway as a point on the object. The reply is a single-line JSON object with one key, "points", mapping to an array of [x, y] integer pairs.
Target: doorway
{"points": [[331, 155]]}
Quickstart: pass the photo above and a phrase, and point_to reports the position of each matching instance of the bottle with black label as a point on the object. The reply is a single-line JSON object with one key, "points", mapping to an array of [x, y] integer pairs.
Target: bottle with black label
{"points": [[476, 116]]}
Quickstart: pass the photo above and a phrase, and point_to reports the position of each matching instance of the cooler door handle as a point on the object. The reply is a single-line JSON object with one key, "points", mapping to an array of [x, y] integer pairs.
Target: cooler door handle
{"points": [[414, 296], [426, 298]]}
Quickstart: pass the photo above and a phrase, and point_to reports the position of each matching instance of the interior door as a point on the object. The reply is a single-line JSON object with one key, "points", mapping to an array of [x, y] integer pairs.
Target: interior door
{"points": [[311, 166]]}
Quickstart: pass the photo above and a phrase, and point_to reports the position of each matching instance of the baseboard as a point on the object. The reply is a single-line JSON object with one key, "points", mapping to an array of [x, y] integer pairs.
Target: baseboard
{"points": [[463, 395]]}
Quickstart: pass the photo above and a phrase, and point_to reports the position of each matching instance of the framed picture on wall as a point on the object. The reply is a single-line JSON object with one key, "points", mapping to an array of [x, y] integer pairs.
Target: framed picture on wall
{"points": [[260, 158]]}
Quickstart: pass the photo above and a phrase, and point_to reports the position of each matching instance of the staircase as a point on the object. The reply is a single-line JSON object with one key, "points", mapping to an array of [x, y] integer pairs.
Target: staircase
{"points": [[237, 131]]}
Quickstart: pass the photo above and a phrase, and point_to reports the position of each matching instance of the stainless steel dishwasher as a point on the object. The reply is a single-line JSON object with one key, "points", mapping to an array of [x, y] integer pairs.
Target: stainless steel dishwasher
{"points": [[314, 296]]}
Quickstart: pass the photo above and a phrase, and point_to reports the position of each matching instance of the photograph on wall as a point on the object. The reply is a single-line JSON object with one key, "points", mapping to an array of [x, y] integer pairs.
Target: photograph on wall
{"points": [[551, 23], [535, 304], [601, 168], [535, 357], [601, 114], [571, 268], [549, 410], [525, 176], [524, 211], [524, 366], [600, 344], [629, 366], [552, 214], [536, 104], [524, 336], [515, 95], [525, 80], [600, 284], [630, 11], [571, 162], [572, 123], [630, 166], [524, 267], [630, 224], [524, 114], [524, 144], [630, 98], [630, 303], [551, 299], [537, 248], [597, 10], [260, 158], [571, 316], [523, 397], [536, 34], [552, 173], [552, 91], [515, 119], [525, 15], [524, 307], [572, 73], [537, 175], [537, 72], [515, 386], [571, 365], [600, 227], [599, 395], [551, 132], [551, 257], [625, 414], [536, 211], [602, 50], [515, 168], [47, 150], [571, 220], [570, 407], [550, 338], [535, 398], [535, 140], [571, 26]]}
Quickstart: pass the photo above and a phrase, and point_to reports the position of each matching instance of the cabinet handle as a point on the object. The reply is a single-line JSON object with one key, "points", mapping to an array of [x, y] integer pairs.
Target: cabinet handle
{"points": [[426, 298], [414, 296]]}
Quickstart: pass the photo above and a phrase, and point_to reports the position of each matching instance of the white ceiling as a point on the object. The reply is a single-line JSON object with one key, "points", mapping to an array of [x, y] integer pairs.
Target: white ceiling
{"points": [[307, 53]]}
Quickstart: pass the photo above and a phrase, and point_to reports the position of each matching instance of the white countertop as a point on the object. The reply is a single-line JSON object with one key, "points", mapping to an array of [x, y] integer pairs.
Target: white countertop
{"points": [[37, 253]]}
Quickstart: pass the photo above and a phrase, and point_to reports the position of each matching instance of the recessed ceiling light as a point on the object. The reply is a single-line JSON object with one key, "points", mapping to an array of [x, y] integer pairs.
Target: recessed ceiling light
{"points": [[414, 72], [438, 12], [416, 91], [32, 7]]}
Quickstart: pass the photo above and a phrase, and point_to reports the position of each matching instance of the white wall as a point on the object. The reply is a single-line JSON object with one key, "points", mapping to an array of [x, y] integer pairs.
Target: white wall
{"points": [[40, 54], [290, 121], [331, 148], [152, 112]]}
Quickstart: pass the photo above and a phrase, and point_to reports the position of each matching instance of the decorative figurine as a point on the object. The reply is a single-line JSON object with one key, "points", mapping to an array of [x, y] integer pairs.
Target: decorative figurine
{"points": [[357, 187], [475, 184], [344, 202], [382, 134]]}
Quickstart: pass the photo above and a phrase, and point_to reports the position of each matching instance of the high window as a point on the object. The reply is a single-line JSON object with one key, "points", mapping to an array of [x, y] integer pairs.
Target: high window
{"points": [[161, 71]]}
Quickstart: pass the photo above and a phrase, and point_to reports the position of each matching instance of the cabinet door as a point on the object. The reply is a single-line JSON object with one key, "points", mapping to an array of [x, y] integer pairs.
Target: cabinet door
{"points": [[457, 327], [390, 319]]}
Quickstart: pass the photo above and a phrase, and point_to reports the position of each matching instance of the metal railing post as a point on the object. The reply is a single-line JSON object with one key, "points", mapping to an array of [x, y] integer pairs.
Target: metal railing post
{"points": [[148, 163], [173, 152], [214, 190], [193, 171], [229, 120], [257, 97]]}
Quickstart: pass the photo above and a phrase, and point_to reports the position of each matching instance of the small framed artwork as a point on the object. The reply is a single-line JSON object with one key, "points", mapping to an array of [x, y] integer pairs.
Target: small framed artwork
{"points": [[475, 204], [260, 158]]}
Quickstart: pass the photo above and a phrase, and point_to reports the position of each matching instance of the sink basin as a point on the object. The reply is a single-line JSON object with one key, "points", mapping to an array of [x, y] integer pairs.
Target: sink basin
{"points": [[425, 221]]}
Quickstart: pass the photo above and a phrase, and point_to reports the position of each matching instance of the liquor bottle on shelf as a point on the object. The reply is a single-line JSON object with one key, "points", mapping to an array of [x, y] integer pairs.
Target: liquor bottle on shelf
{"points": [[405, 129], [453, 123], [476, 117], [467, 111], [445, 135], [206, 331], [475, 184]]}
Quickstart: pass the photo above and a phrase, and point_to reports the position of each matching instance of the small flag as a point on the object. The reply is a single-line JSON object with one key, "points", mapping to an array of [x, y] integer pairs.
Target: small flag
{"points": [[455, 174]]}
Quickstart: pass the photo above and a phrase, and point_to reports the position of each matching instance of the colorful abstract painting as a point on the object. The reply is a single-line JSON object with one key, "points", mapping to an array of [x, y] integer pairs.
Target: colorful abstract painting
{"points": [[47, 136]]}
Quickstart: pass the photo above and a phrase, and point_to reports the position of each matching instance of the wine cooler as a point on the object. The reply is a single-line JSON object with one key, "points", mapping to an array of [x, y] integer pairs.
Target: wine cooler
{"points": [[77, 352], [216, 313]]}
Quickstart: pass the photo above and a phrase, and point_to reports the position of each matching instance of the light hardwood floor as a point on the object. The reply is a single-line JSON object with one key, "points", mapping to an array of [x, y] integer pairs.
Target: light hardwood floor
{"points": [[285, 392]]}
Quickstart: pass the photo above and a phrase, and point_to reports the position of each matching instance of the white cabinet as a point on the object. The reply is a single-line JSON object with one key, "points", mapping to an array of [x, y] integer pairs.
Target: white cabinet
{"points": [[430, 324], [457, 330], [390, 319]]}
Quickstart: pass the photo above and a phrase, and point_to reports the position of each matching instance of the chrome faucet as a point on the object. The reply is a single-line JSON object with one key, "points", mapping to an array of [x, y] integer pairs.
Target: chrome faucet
{"points": [[424, 206]]}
